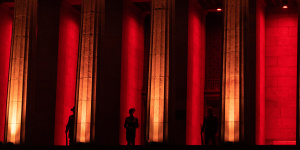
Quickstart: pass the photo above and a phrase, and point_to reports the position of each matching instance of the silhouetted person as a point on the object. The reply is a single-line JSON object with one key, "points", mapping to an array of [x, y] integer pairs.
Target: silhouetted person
{"points": [[70, 127], [131, 123], [210, 127]]}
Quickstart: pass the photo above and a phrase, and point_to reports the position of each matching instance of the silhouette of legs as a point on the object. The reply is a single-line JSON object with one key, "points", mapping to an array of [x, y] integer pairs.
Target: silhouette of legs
{"points": [[209, 137], [213, 139], [130, 137], [71, 138], [131, 142], [70, 142]]}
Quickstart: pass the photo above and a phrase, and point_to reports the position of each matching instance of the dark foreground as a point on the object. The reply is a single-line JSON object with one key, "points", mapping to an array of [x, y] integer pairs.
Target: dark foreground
{"points": [[155, 147]]}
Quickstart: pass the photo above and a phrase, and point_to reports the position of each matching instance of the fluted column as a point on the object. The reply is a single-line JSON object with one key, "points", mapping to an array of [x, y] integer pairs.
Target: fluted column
{"points": [[90, 32], [232, 91], [23, 39], [158, 97]]}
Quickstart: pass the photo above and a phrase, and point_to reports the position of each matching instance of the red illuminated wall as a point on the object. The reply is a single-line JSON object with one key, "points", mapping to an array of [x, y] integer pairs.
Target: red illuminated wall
{"points": [[131, 68], [281, 74], [66, 69], [195, 73], [5, 42], [260, 73]]}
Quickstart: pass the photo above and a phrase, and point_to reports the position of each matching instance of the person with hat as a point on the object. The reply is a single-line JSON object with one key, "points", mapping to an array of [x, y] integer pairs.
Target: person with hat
{"points": [[131, 123], [70, 127]]}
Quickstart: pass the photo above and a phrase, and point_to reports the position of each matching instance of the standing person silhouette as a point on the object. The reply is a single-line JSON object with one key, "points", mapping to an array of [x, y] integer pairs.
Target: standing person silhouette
{"points": [[210, 127], [131, 123], [70, 127]]}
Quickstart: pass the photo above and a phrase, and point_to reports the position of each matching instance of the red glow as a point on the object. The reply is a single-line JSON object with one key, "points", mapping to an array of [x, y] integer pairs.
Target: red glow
{"points": [[219, 9], [285, 6], [284, 142], [131, 68], [195, 74], [66, 69], [281, 75], [260, 73], [5, 42]]}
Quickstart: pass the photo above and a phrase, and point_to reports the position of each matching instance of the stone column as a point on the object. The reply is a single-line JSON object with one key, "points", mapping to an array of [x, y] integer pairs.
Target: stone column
{"points": [[298, 83], [92, 12], [158, 88], [232, 86], [23, 39]]}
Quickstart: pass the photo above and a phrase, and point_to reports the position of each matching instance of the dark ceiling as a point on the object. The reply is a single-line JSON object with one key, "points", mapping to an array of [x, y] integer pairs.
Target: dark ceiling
{"points": [[206, 4], [271, 3], [6, 1], [210, 4], [144, 6], [74, 2]]}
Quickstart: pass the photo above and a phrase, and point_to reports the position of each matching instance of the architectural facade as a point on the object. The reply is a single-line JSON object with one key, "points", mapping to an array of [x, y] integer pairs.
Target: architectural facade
{"points": [[169, 59]]}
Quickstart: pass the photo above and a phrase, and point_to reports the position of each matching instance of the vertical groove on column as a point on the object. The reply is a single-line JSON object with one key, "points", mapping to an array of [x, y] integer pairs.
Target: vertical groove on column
{"points": [[90, 33], [232, 71], [24, 29], [158, 96]]}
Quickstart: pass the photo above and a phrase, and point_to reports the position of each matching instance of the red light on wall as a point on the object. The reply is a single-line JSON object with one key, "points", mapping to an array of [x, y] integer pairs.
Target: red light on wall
{"points": [[66, 78], [285, 6], [131, 69], [260, 73], [276, 77], [5, 42], [219, 9], [195, 74]]}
